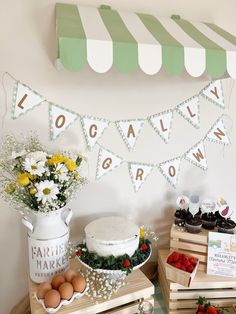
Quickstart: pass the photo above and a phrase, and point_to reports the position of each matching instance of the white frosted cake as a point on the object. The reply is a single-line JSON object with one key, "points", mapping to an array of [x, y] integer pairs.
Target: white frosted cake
{"points": [[112, 236]]}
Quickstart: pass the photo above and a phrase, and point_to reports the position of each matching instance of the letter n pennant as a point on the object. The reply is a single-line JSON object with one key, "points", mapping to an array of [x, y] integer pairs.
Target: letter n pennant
{"points": [[139, 173], [24, 99], [107, 161], [170, 170], [218, 133], [162, 123], [93, 129], [197, 156], [130, 130]]}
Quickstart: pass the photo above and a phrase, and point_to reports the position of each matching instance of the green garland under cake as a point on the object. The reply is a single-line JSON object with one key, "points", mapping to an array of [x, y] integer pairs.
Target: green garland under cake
{"points": [[123, 262]]}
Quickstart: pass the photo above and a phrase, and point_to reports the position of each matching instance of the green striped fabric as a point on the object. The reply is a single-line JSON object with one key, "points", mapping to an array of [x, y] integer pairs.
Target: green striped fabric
{"points": [[103, 37]]}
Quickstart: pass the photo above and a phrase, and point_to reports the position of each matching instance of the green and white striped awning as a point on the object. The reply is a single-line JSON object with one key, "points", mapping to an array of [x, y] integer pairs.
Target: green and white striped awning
{"points": [[104, 37]]}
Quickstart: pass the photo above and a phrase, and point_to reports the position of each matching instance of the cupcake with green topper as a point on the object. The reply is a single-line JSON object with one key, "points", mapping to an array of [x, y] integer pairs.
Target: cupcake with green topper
{"points": [[225, 224], [209, 219], [193, 221], [182, 203]]}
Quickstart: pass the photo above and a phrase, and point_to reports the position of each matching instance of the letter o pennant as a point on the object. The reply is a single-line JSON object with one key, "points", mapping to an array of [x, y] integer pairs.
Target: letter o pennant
{"points": [[170, 170]]}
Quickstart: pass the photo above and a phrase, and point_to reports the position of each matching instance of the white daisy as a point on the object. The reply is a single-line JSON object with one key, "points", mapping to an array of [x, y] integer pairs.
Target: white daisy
{"points": [[34, 167], [38, 156], [61, 172], [46, 191]]}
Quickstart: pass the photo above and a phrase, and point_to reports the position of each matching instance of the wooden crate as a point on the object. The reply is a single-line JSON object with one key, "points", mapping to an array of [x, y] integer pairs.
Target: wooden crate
{"points": [[190, 244], [126, 301], [179, 299]]}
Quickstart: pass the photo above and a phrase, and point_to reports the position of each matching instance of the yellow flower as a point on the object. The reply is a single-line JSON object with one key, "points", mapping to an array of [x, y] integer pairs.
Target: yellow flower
{"points": [[23, 179], [57, 159], [33, 190], [71, 165], [142, 233], [76, 176], [10, 188]]}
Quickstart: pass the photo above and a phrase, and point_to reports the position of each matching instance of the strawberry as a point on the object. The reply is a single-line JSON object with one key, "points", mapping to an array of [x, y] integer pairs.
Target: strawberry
{"points": [[143, 247], [126, 263], [211, 310], [186, 263], [193, 261], [185, 257], [183, 267], [79, 252], [190, 268], [177, 265], [201, 301], [175, 256], [170, 259], [200, 312]]}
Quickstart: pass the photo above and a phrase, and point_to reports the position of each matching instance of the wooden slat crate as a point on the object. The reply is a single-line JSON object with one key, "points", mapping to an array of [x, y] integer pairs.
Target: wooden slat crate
{"points": [[126, 301], [189, 243], [179, 299]]}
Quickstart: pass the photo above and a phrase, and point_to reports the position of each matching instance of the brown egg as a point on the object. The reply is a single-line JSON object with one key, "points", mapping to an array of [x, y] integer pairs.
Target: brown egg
{"points": [[70, 274], [78, 283], [66, 290], [57, 281], [52, 298], [43, 288]]}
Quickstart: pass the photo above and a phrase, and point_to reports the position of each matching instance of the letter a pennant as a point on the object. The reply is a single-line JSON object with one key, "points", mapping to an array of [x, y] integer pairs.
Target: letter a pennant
{"points": [[130, 130], [197, 156], [24, 99], [107, 161], [60, 120], [189, 110], [214, 93], [139, 173], [218, 133], [93, 129], [170, 170], [162, 123]]}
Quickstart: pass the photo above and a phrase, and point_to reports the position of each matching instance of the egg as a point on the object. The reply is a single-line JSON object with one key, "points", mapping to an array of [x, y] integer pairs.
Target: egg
{"points": [[43, 288], [52, 298], [57, 281], [78, 283], [66, 290], [70, 274]]}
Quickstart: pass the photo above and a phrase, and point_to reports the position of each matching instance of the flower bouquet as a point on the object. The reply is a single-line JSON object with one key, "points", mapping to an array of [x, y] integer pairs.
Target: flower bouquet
{"points": [[33, 179]]}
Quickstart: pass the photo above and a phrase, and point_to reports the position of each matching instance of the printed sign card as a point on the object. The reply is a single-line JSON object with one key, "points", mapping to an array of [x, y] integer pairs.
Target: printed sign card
{"points": [[221, 254]]}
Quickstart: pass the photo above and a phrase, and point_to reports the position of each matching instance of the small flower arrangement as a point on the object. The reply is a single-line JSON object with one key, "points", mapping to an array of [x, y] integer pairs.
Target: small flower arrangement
{"points": [[33, 179]]}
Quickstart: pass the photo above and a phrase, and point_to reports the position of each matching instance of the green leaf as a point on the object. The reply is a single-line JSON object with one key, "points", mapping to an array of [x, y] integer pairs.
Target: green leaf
{"points": [[78, 160]]}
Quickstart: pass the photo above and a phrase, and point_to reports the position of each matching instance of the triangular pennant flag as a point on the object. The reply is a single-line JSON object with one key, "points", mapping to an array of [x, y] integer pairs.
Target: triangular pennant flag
{"points": [[130, 130], [60, 120], [162, 123], [189, 110], [107, 161], [139, 173], [93, 129], [214, 93], [218, 133], [24, 99], [170, 170], [197, 156]]}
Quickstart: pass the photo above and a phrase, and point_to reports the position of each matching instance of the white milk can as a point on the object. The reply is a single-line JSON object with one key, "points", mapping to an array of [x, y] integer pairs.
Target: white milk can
{"points": [[48, 236]]}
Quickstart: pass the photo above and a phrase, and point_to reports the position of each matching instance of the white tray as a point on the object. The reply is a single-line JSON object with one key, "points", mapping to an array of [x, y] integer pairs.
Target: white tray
{"points": [[76, 295]]}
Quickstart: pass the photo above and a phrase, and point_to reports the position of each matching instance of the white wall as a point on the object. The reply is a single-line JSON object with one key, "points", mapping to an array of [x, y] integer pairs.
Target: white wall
{"points": [[27, 51]]}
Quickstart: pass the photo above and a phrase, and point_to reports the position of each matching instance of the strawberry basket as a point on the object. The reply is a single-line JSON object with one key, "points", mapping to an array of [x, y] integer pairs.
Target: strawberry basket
{"points": [[181, 268]]}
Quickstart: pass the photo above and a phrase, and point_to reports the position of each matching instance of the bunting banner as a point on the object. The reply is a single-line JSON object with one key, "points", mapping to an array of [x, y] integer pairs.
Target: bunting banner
{"points": [[130, 130], [24, 99], [162, 123], [214, 93], [93, 129], [139, 173], [107, 161], [60, 118], [190, 111]]}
